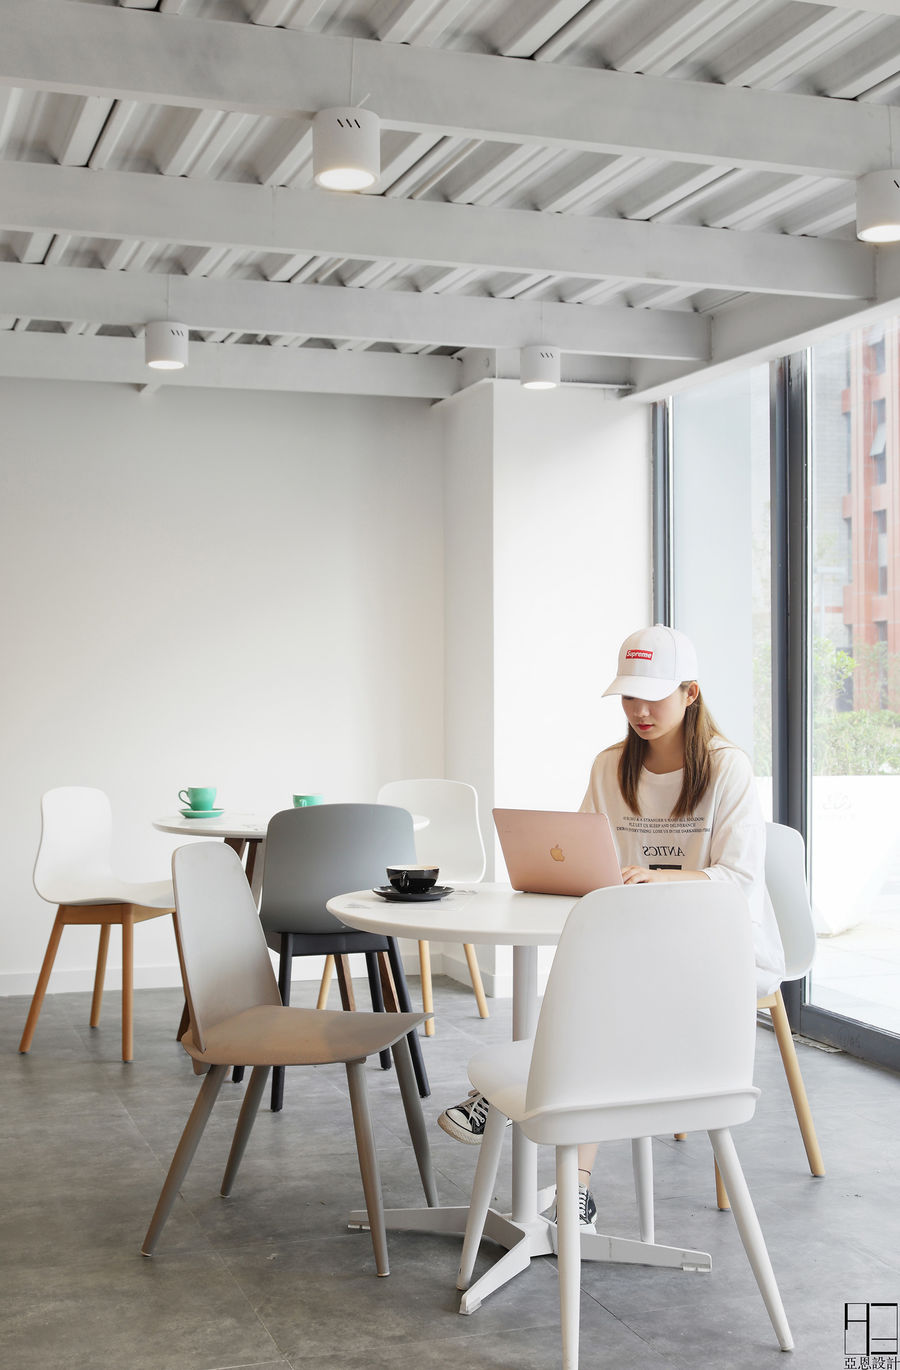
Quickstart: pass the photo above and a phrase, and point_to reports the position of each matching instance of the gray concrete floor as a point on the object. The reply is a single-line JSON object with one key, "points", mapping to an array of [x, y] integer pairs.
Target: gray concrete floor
{"points": [[271, 1277]]}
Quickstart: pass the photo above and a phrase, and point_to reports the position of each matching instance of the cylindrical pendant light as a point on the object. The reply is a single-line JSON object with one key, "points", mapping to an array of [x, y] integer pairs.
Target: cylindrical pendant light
{"points": [[346, 148], [539, 367], [166, 345], [878, 207]]}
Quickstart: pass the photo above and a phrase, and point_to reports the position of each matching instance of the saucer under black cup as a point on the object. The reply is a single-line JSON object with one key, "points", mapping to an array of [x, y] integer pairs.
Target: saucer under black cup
{"points": [[406, 897]]}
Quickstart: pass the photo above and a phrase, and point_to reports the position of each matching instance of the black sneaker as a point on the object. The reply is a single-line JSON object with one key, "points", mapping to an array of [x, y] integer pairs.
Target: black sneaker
{"points": [[466, 1121], [587, 1210]]}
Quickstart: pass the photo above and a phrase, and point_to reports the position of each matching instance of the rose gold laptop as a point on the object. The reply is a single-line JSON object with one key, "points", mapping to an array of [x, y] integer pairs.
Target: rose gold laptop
{"points": [[557, 853]]}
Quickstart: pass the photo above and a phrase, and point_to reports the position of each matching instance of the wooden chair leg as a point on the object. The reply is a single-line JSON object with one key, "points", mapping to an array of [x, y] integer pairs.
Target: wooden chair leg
{"points": [[99, 975], [425, 976], [345, 983], [475, 977], [795, 1084], [43, 981], [721, 1191], [128, 985], [388, 988], [325, 986]]}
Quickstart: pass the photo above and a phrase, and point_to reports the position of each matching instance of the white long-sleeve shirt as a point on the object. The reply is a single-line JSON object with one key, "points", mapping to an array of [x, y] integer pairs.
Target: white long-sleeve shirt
{"points": [[725, 838]]}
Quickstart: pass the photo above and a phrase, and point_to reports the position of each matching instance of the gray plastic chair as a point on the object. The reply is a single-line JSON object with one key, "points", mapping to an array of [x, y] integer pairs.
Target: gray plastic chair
{"points": [[313, 854], [236, 1014]]}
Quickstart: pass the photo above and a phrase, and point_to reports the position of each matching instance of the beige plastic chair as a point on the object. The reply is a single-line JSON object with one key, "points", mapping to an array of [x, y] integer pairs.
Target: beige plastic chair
{"points": [[74, 870], [652, 1062], [236, 1015], [786, 883], [453, 841]]}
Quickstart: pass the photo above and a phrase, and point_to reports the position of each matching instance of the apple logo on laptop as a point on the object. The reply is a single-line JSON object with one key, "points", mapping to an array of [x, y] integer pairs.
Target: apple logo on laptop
{"points": [[557, 853]]}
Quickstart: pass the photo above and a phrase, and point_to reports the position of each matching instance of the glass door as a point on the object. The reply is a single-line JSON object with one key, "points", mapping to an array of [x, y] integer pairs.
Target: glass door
{"points": [[853, 627]]}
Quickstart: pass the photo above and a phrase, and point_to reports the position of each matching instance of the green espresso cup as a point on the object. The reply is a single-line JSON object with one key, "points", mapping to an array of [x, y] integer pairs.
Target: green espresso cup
{"points": [[303, 801], [198, 796]]}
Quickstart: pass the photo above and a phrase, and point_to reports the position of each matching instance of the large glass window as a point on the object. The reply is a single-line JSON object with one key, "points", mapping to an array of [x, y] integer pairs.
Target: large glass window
{"points": [[854, 642]]}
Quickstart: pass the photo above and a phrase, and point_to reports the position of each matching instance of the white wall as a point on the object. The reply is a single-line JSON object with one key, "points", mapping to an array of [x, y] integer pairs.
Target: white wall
{"points": [[466, 425], [721, 432], [249, 590], [236, 589], [549, 527], [572, 579]]}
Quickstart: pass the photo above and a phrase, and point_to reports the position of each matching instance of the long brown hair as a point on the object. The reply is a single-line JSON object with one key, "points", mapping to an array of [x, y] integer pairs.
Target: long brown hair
{"points": [[699, 730]]}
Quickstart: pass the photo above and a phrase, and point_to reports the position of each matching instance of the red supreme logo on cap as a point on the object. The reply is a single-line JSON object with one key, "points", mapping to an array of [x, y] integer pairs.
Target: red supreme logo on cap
{"points": [[638, 652]]}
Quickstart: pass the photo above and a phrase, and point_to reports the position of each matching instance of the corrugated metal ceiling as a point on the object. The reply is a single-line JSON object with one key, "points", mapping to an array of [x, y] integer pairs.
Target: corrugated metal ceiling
{"points": [[135, 95]]}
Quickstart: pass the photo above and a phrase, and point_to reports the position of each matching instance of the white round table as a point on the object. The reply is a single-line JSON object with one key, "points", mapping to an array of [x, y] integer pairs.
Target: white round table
{"points": [[500, 916], [244, 832]]}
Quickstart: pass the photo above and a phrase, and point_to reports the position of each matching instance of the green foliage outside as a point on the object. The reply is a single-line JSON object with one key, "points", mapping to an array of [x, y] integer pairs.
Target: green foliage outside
{"points": [[846, 740], [861, 740]]}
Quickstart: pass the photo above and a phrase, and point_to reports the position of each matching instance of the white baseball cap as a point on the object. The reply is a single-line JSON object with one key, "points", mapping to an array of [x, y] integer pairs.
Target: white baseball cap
{"points": [[653, 663]]}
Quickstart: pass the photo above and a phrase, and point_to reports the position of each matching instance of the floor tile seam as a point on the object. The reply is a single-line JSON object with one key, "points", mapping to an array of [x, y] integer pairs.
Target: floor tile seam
{"points": [[252, 1364], [218, 1259], [623, 1322]]}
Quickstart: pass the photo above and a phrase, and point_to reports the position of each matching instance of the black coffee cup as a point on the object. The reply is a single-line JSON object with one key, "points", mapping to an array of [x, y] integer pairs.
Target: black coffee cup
{"points": [[412, 879]]}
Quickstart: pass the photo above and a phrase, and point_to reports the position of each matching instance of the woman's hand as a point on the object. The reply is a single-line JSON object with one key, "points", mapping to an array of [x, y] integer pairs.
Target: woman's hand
{"points": [[640, 875]]}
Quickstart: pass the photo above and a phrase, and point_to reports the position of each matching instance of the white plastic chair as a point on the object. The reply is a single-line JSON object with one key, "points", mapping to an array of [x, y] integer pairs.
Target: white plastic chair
{"points": [[453, 841], [788, 891], [74, 870], [607, 1063], [236, 1014]]}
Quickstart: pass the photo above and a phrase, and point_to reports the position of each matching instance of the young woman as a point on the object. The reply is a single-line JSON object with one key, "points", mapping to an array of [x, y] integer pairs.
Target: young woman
{"points": [[682, 805]]}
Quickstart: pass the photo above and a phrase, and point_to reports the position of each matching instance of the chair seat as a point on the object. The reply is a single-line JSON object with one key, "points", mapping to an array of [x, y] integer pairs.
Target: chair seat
{"points": [[500, 1073], [330, 943], [149, 894], [273, 1035]]}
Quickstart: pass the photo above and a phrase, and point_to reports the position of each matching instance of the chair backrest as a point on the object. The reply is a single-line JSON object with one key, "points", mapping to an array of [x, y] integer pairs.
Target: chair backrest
{"points": [[315, 853], [452, 839], [651, 996], [225, 962], [74, 855], [789, 893]]}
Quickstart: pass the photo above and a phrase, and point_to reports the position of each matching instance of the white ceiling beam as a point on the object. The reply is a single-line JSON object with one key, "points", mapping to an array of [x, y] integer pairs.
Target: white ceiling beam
{"points": [[870, 6], [260, 70], [35, 197], [56, 356], [130, 299], [758, 330]]}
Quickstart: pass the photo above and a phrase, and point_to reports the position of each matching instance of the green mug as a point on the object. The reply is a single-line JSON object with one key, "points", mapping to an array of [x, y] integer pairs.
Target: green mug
{"points": [[198, 796], [303, 801]]}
